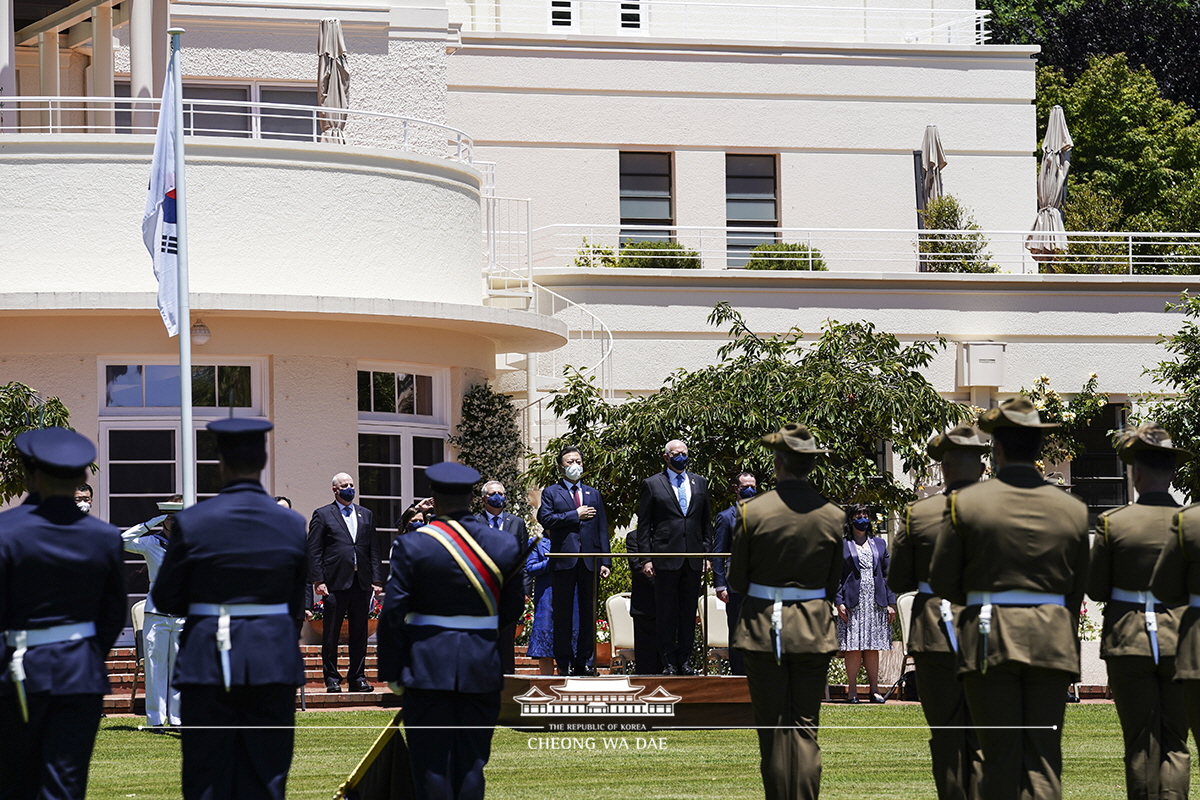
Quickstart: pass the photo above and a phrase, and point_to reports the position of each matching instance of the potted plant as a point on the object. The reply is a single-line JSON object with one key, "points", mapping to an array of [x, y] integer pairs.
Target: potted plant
{"points": [[603, 644]]}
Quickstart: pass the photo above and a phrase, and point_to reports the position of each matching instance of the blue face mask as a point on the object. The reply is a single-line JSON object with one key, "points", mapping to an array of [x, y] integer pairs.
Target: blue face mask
{"points": [[862, 523], [679, 461], [746, 492], [346, 494], [495, 500], [414, 525]]}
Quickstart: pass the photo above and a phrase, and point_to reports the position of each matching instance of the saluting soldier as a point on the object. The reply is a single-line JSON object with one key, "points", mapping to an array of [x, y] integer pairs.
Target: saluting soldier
{"points": [[786, 559], [236, 567], [1014, 551], [1139, 635], [62, 605], [453, 584], [932, 639]]}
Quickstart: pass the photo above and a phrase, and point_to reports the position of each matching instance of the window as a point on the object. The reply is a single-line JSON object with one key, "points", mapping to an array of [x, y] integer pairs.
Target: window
{"points": [[560, 12], [631, 15], [151, 386], [395, 393], [645, 190], [239, 120], [1098, 474], [391, 473], [750, 202]]}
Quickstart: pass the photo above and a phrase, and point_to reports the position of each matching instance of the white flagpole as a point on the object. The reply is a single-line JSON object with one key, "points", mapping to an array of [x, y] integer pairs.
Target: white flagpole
{"points": [[187, 449]]}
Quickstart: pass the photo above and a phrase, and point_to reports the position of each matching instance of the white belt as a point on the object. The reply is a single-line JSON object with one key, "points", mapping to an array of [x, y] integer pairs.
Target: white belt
{"points": [[778, 594], [22, 640], [946, 612], [459, 622], [923, 586], [1148, 601], [1015, 597], [223, 613]]}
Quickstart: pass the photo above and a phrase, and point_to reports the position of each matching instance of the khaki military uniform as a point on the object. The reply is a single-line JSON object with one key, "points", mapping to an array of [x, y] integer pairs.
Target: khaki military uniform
{"points": [[1176, 579], [1149, 702], [1016, 533], [791, 537], [953, 746]]}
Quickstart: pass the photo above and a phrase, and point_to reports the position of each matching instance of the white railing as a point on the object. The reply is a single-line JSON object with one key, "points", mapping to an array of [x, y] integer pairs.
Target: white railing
{"points": [[862, 250], [679, 19], [233, 119]]}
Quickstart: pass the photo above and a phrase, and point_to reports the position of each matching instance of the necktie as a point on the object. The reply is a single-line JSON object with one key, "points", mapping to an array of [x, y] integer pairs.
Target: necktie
{"points": [[578, 496], [346, 511], [683, 504], [496, 522]]}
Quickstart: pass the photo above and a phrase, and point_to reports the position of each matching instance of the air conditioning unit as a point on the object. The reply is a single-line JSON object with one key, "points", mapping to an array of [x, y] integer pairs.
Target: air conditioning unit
{"points": [[980, 364]]}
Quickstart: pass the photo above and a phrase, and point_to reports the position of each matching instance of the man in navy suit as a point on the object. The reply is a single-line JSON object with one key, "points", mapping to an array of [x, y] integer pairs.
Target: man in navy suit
{"points": [[674, 516], [236, 567], [572, 514], [747, 487], [453, 583], [62, 604], [347, 569], [496, 518]]}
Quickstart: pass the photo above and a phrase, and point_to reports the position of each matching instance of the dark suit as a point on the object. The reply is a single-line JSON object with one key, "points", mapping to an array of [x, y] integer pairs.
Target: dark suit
{"points": [[451, 676], [646, 658], [570, 534], [664, 528], [509, 523], [58, 566], [239, 547], [348, 567], [722, 541], [849, 592]]}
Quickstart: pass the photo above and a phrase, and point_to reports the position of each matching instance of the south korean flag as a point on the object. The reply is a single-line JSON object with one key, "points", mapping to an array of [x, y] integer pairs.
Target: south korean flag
{"points": [[158, 220]]}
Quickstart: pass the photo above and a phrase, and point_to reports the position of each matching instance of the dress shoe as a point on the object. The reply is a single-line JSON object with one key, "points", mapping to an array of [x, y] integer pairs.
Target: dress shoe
{"points": [[670, 669], [686, 669], [877, 698], [361, 685], [333, 688], [587, 672], [852, 699]]}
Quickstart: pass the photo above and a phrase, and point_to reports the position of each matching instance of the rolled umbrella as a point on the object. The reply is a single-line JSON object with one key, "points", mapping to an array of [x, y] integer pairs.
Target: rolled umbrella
{"points": [[1049, 233], [333, 80], [933, 161]]}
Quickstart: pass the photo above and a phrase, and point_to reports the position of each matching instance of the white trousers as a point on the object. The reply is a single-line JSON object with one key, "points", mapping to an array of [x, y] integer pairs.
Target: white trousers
{"points": [[161, 639]]}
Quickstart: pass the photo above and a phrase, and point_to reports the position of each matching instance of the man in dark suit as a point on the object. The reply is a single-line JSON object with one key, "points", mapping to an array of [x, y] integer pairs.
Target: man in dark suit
{"points": [[747, 487], [62, 603], [646, 658], [675, 516], [572, 514], [346, 568], [496, 518], [453, 583], [236, 566]]}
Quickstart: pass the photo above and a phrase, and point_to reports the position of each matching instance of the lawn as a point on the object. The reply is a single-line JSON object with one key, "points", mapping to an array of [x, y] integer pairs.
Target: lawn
{"points": [[884, 763]]}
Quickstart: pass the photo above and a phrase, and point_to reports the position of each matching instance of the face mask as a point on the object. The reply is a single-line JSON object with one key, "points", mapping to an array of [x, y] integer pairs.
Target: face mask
{"points": [[862, 523], [84, 506], [495, 500], [346, 494], [679, 461], [746, 492], [414, 525], [574, 472]]}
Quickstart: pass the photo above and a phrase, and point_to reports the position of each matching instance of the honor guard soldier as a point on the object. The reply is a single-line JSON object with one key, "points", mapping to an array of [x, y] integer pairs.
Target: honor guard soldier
{"points": [[786, 559], [1014, 551], [236, 567], [1139, 635], [932, 639], [62, 605], [453, 584]]}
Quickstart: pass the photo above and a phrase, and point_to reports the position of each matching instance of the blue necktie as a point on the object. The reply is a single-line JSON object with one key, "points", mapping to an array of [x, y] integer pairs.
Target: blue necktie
{"points": [[681, 492]]}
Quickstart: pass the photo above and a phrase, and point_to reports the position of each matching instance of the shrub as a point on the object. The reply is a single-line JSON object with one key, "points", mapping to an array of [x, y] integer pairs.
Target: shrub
{"points": [[590, 255], [786, 255], [953, 252], [657, 255]]}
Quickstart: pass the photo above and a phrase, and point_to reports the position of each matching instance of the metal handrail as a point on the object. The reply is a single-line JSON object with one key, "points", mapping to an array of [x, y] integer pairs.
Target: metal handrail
{"points": [[233, 119]]}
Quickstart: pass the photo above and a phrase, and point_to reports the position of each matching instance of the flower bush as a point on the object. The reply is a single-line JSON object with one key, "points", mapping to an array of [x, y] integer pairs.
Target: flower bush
{"points": [[1062, 445], [602, 632], [318, 609]]}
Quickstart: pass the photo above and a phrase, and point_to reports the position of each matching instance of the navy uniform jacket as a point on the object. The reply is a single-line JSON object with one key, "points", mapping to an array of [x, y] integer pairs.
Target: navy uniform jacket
{"points": [[426, 579], [567, 532], [59, 566], [722, 541], [332, 554], [237, 547]]}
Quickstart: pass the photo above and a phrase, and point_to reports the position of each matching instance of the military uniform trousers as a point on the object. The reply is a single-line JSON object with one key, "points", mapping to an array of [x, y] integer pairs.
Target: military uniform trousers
{"points": [[953, 745], [449, 755], [787, 705], [224, 756], [160, 635], [1019, 710], [47, 758], [1150, 705]]}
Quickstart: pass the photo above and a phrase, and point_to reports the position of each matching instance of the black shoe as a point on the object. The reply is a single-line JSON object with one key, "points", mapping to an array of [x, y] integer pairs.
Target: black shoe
{"points": [[670, 669], [361, 685], [333, 688], [565, 672], [686, 669], [852, 699], [159, 729], [587, 672]]}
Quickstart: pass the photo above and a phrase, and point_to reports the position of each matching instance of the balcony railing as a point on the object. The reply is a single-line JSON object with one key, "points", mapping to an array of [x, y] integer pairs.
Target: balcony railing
{"points": [[678, 19], [233, 119], [864, 250]]}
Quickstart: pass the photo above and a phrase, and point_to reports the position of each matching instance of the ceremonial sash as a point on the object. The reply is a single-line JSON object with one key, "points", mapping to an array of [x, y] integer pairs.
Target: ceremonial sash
{"points": [[474, 562]]}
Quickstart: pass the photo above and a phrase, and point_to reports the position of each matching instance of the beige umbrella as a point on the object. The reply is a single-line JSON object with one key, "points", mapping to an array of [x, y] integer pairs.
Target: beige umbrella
{"points": [[933, 161], [333, 80], [1049, 233]]}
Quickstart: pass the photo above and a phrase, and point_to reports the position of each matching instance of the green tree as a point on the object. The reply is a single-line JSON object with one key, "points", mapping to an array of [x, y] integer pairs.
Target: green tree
{"points": [[1177, 406], [489, 440], [854, 386], [953, 252], [21, 409], [1063, 444]]}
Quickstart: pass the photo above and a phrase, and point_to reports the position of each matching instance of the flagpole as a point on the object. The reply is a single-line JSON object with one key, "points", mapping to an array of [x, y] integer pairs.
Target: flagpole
{"points": [[186, 434]]}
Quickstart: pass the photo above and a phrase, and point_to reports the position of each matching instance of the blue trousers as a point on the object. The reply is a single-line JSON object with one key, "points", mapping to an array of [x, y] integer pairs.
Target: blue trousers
{"points": [[449, 741], [47, 758]]}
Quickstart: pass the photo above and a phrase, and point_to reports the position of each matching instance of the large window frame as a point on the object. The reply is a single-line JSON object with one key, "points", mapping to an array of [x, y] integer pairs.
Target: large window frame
{"points": [[258, 387], [641, 185], [440, 384], [744, 191]]}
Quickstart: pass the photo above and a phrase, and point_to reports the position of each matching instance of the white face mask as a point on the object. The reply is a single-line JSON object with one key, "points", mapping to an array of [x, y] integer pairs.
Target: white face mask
{"points": [[84, 506], [574, 472]]}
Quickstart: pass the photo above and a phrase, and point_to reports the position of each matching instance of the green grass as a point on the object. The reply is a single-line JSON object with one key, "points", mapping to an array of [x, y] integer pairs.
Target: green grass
{"points": [[890, 763]]}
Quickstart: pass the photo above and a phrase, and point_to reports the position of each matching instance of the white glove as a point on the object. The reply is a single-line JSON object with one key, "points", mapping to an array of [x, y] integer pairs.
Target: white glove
{"points": [[150, 523], [396, 687]]}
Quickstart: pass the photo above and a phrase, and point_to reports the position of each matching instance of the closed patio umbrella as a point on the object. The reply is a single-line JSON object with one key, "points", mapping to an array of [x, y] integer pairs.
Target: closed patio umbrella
{"points": [[1049, 233], [333, 80], [933, 161]]}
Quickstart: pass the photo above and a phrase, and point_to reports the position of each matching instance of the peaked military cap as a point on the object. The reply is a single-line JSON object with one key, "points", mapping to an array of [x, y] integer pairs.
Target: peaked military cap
{"points": [[961, 437], [1015, 413], [236, 426], [1148, 437], [57, 451], [450, 477], [793, 437]]}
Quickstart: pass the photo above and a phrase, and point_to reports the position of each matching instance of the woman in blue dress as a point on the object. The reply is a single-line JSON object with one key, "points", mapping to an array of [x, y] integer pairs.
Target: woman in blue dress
{"points": [[541, 637]]}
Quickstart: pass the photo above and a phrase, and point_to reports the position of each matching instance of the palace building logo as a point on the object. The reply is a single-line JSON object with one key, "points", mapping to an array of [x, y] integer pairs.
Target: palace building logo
{"points": [[610, 695]]}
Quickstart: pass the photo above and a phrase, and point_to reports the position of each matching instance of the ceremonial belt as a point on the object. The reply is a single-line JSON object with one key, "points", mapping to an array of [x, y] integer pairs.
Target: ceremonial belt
{"points": [[223, 612], [459, 622], [1149, 601], [778, 594], [23, 640], [946, 612], [472, 559], [1011, 597]]}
